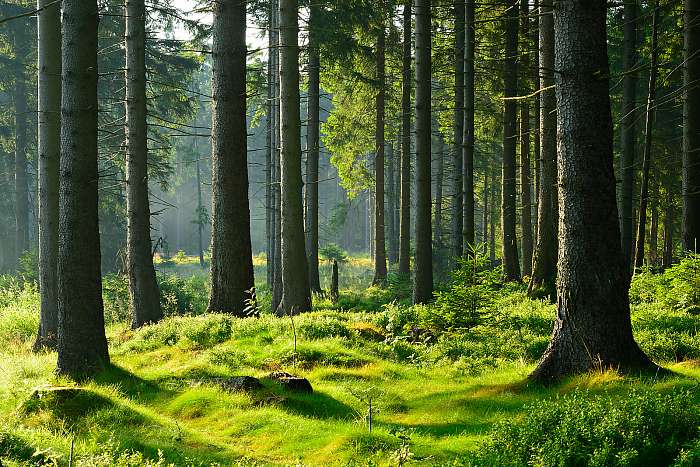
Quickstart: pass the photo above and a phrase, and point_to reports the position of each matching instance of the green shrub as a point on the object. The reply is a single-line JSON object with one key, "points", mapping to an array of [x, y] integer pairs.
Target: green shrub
{"points": [[677, 287], [19, 311], [183, 296]]}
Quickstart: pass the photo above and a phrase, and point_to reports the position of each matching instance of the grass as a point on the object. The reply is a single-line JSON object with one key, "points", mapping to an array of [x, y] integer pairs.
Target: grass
{"points": [[435, 399]]}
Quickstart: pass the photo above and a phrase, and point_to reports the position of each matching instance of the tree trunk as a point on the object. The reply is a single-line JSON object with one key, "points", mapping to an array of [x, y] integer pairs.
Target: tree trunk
{"points": [[270, 152], [277, 184], [405, 208], [487, 206], [537, 153], [592, 328], [654, 227], [144, 296], [628, 130], [296, 294], [49, 146], [492, 226], [200, 207], [648, 133], [459, 121], [511, 266], [469, 139], [379, 240], [82, 345], [439, 179], [423, 285], [545, 259], [21, 111], [525, 193], [691, 123], [312, 154], [668, 231], [231, 255], [391, 205]]}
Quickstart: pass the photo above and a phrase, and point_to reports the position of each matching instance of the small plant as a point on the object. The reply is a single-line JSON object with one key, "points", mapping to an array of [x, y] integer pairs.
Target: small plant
{"points": [[403, 454], [331, 252]]}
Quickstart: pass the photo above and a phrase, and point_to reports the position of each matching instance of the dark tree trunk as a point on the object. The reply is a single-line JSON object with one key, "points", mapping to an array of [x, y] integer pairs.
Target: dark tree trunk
{"points": [[405, 208], [537, 153], [296, 294], [231, 255], [525, 193], [334, 282], [654, 227], [379, 143], [270, 152], [648, 133], [545, 260], [468, 140], [459, 121], [487, 206], [20, 103], [144, 296], [82, 345], [277, 183], [628, 130], [592, 328], [492, 226], [312, 154], [511, 266], [391, 205], [49, 146], [691, 123], [439, 179], [668, 231]]}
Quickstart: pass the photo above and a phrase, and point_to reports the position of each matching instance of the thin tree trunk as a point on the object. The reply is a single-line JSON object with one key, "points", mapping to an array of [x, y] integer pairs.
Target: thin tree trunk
{"points": [[439, 179], [525, 193], [592, 328], [423, 285], [654, 227], [82, 345], [668, 231], [391, 204], [691, 123], [277, 184], [459, 121], [485, 214], [49, 146], [312, 154], [270, 152], [20, 103], [628, 130], [200, 208], [469, 138], [380, 270], [492, 227], [405, 214], [648, 133], [144, 296], [296, 293], [537, 153], [511, 266]]}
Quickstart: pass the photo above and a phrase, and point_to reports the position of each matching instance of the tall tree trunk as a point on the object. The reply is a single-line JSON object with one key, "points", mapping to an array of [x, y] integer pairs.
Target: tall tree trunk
{"points": [[277, 182], [379, 143], [200, 208], [423, 285], [628, 129], [511, 266], [296, 294], [459, 121], [270, 152], [20, 103], [439, 179], [144, 296], [525, 193], [545, 260], [668, 231], [82, 345], [469, 139], [537, 153], [648, 133], [231, 253], [654, 227], [691, 123], [312, 154], [492, 226], [592, 327], [391, 204], [49, 146], [405, 208], [487, 206]]}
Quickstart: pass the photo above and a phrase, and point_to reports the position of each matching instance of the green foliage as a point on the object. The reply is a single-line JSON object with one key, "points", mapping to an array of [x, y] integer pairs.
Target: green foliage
{"points": [[331, 251], [677, 287]]}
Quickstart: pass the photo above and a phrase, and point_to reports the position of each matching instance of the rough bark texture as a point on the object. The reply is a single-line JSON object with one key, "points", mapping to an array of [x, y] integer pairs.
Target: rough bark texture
{"points": [[545, 257], [392, 245], [592, 327], [423, 282], [49, 146], [270, 152], [525, 189], [20, 102], [459, 120], [276, 143], [628, 130], [691, 123], [231, 255], [312, 153], [468, 140], [405, 208], [509, 241], [379, 143], [296, 294], [537, 153], [82, 345], [144, 296]]}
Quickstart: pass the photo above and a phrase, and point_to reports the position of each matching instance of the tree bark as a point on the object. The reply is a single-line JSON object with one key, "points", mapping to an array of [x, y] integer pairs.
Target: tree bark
{"points": [[592, 329], [439, 180], [423, 282], [654, 227], [380, 270], [691, 123], [270, 152], [277, 184], [392, 249], [296, 294], [525, 193], [20, 103], [231, 255], [509, 241], [537, 153], [469, 138], [82, 345], [459, 123], [405, 208], [49, 146], [312, 154], [144, 296], [668, 231]]}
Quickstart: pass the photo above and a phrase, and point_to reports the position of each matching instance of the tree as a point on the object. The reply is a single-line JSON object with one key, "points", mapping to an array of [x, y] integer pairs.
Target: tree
{"points": [[459, 121], [423, 282], [231, 255], [312, 153], [49, 144], [380, 144], [144, 296], [296, 294], [82, 345], [21, 112], [511, 267], [405, 204], [525, 193], [592, 327], [691, 123], [469, 138]]}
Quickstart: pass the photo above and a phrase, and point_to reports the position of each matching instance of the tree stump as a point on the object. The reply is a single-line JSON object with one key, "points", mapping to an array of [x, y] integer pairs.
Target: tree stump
{"points": [[334, 282]]}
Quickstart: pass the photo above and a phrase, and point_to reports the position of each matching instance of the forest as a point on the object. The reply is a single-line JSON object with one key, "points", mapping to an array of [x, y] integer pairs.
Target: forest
{"points": [[349, 232]]}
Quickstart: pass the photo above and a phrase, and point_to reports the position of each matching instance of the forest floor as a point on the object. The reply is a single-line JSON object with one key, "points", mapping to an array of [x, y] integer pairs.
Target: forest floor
{"points": [[436, 397]]}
